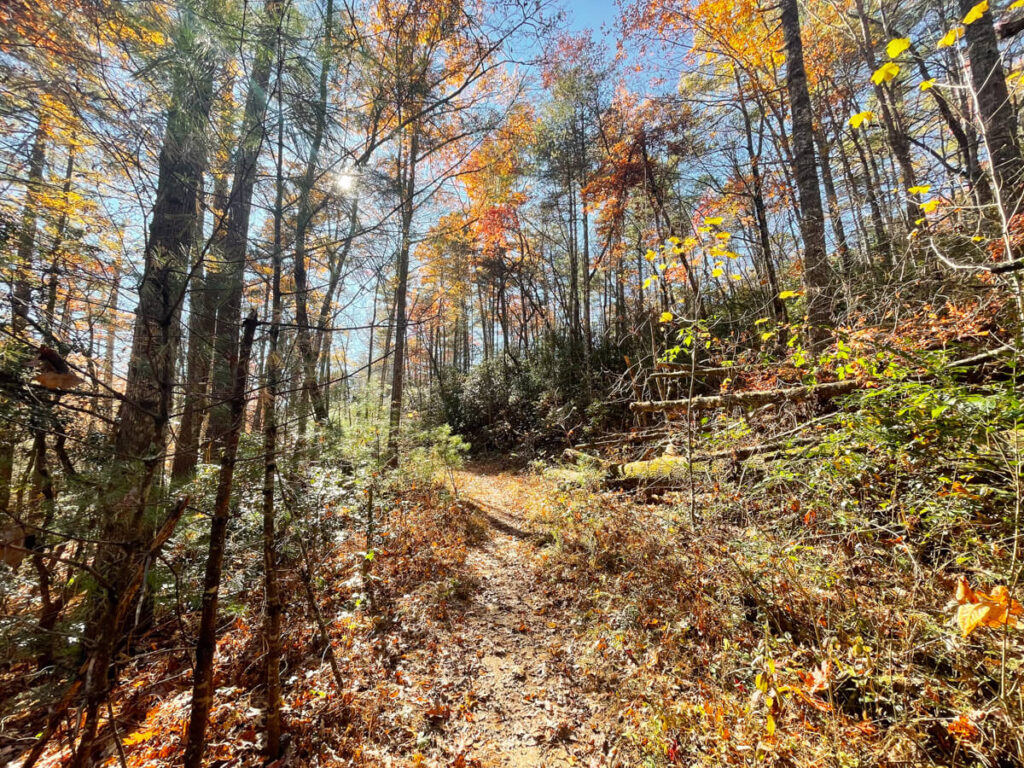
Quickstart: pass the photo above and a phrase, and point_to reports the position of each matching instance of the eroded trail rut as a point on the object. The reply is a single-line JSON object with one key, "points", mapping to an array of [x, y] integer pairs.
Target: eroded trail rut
{"points": [[530, 707]]}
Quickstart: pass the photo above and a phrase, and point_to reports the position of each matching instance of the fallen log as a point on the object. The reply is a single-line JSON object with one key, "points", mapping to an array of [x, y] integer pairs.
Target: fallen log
{"points": [[750, 399], [746, 452], [684, 373], [670, 468]]}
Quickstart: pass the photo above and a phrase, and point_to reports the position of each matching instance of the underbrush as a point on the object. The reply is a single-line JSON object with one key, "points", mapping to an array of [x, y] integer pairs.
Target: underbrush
{"points": [[810, 614], [370, 559], [417, 571]]}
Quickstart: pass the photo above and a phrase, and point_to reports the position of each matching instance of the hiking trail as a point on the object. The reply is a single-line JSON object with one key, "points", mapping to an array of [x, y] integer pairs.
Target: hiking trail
{"points": [[529, 705]]}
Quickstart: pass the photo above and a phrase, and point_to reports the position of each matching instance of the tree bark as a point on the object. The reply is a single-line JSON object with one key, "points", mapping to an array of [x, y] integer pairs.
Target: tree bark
{"points": [[206, 643], [304, 218], [995, 108], [202, 329], [401, 319], [272, 611], [140, 433], [812, 219], [231, 279]]}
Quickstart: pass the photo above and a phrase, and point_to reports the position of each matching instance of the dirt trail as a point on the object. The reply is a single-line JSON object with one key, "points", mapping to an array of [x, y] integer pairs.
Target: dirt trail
{"points": [[531, 708]]}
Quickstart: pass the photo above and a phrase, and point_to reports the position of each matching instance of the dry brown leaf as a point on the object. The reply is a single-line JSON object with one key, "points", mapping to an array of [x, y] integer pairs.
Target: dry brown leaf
{"points": [[53, 380]]}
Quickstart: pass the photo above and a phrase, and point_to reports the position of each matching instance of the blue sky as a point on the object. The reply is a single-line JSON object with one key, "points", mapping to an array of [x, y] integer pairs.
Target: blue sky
{"points": [[592, 13]]}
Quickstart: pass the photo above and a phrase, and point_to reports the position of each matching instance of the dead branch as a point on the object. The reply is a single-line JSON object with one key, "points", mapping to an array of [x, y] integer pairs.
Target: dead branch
{"points": [[750, 399]]}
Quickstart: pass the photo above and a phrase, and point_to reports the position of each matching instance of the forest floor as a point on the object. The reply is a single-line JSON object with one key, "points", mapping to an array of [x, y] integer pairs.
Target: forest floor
{"points": [[517, 640]]}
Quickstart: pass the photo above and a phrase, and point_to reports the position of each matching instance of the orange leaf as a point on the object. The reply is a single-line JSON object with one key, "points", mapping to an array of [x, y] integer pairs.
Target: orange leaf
{"points": [[139, 736], [819, 677], [971, 616], [978, 609], [53, 380], [964, 593]]}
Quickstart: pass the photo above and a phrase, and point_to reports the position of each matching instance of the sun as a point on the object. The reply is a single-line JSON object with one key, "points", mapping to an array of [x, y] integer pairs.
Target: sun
{"points": [[345, 181]]}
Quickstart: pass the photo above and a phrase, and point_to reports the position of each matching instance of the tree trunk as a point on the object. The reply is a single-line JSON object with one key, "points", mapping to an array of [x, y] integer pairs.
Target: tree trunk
{"points": [[304, 218], [206, 642], [202, 329], [812, 219], [231, 280], [21, 295], [760, 209], [272, 611], [893, 127], [140, 434], [834, 212], [995, 108], [401, 320]]}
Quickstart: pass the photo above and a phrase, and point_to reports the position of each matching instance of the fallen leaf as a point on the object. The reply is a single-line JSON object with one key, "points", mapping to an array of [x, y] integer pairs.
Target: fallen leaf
{"points": [[978, 609]]}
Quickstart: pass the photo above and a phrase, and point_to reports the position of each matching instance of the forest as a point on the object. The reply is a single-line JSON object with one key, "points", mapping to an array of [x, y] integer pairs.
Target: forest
{"points": [[479, 383]]}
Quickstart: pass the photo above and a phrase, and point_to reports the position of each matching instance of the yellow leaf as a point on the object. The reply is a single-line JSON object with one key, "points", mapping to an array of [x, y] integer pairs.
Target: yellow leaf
{"points": [[717, 272], [976, 12], [930, 206], [951, 37], [665, 317], [969, 617], [713, 221], [789, 294], [1018, 4], [769, 725], [977, 609], [862, 117], [650, 255], [897, 46], [139, 736], [885, 73], [922, 189], [928, 84]]}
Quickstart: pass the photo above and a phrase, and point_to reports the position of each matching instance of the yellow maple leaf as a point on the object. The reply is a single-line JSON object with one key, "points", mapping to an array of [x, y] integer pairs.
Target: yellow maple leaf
{"points": [[139, 736], [897, 46], [885, 73], [929, 84], [950, 37], [978, 609], [862, 117], [976, 12]]}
